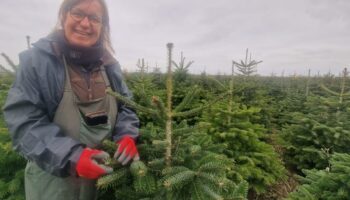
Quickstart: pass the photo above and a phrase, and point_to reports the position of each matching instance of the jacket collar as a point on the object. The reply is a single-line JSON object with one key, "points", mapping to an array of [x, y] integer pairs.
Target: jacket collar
{"points": [[49, 45]]}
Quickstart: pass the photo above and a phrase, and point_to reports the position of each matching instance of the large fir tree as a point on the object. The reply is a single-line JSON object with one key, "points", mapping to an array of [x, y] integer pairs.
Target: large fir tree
{"points": [[179, 161]]}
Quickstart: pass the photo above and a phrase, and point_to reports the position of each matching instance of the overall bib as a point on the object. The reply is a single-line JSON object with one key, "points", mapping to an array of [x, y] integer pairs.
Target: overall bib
{"points": [[70, 115]]}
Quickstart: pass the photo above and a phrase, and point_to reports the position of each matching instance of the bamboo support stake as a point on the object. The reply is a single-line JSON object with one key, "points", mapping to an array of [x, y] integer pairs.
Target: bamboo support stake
{"points": [[231, 93], [345, 73], [168, 128], [308, 84]]}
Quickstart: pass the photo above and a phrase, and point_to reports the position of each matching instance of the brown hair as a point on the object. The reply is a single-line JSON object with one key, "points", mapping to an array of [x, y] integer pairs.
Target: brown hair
{"points": [[67, 5]]}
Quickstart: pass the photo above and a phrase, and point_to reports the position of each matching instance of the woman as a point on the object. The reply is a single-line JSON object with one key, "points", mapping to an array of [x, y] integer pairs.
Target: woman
{"points": [[58, 112]]}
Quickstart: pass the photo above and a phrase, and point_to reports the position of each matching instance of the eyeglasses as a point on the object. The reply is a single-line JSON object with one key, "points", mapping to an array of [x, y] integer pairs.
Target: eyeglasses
{"points": [[78, 16]]}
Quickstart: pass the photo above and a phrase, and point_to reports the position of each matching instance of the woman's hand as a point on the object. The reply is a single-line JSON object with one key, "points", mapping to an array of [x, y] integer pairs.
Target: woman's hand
{"points": [[126, 150], [89, 164]]}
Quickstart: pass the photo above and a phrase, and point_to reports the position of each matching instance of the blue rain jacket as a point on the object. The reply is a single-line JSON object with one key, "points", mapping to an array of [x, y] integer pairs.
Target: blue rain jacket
{"points": [[33, 100]]}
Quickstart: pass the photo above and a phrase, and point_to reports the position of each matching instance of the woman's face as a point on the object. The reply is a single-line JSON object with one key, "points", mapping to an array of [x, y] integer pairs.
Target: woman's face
{"points": [[83, 23]]}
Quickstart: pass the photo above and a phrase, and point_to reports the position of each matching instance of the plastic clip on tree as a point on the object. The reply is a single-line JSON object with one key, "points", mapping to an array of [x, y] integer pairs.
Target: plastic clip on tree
{"points": [[183, 163]]}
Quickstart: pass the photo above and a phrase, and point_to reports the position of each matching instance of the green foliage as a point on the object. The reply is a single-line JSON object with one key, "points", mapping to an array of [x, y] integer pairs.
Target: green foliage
{"points": [[5, 83], [197, 166], [255, 160], [176, 163], [11, 164], [285, 104], [330, 184], [317, 131], [203, 178], [220, 153]]}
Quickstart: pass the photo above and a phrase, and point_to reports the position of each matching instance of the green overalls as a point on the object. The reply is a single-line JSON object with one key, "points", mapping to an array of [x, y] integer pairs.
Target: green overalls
{"points": [[40, 185]]}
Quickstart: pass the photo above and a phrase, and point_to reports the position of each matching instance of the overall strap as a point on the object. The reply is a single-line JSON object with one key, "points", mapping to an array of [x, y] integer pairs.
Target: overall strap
{"points": [[105, 77], [67, 85]]}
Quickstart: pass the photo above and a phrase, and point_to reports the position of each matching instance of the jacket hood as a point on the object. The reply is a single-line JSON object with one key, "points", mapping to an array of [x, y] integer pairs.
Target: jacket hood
{"points": [[44, 44]]}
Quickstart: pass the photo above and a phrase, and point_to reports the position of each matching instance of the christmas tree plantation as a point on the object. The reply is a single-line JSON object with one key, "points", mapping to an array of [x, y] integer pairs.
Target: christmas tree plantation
{"points": [[321, 128]]}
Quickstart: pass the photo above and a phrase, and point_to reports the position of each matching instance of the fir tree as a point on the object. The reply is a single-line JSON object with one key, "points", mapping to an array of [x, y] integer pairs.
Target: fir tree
{"points": [[235, 124], [331, 183], [255, 160], [181, 69], [180, 161], [246, 68]]}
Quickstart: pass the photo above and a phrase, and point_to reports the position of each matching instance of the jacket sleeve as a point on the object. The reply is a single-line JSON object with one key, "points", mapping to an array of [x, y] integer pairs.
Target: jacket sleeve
{"points": [[127, 122], [33, 134]]}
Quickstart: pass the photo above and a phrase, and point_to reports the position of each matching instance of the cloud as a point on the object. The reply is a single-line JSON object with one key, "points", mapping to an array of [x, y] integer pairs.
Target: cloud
{"points": [[290, 35]]}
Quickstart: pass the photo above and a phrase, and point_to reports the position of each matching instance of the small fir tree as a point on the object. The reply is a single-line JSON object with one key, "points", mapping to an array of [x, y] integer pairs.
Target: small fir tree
{"points": [[181, 69], [246, 68]]}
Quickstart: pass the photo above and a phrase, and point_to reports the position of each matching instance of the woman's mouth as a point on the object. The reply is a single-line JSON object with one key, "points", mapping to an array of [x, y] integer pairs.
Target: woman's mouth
{"points": [[82, 33]]}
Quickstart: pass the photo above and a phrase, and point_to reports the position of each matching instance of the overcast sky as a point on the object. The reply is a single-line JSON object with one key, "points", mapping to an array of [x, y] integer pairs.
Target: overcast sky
{"points": [[289, 36]]}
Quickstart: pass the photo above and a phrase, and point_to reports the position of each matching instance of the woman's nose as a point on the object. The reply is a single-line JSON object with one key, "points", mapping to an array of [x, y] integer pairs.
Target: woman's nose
{"points": [[85, 22]]}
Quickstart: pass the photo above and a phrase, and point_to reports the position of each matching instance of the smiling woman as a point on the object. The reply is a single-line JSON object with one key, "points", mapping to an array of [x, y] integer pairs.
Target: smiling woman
{"points": [[72, 16], [83, 23], [58, 112]]}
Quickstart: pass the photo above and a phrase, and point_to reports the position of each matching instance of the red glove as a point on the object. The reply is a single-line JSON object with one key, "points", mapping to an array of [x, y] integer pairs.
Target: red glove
{"points": [[88, 164], [126, 150]]}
